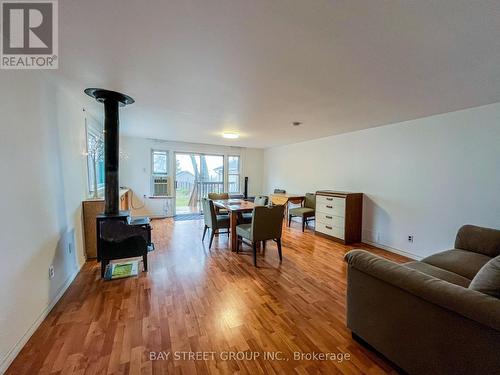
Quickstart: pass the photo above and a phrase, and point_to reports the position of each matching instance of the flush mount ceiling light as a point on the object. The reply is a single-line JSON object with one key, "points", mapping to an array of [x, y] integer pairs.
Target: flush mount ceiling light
{"points": [[296, 123], [230, 135]]}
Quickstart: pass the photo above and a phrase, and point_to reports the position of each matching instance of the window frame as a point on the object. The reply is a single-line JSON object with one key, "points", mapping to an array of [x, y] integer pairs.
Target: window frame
{"points": [[153, 174], [95, 131], [166, 152], [234, 174]]}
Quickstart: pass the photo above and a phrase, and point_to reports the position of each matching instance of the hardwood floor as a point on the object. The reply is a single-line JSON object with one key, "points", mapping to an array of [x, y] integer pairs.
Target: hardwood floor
{"points": [[199, 300]]}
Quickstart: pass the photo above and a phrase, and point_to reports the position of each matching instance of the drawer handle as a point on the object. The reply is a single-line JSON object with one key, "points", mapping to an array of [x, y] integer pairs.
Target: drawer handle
{"points": [[329, 206], [328, 227], [329, 199], [329, 217]]}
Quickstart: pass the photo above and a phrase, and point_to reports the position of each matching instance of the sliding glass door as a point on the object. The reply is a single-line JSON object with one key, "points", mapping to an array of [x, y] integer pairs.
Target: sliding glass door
{"points": [[196, 175]]}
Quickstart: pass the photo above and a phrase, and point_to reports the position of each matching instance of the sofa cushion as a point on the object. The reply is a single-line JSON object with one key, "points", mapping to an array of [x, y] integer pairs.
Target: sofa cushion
{"points": [[462, 262], [439, 273], [479, 240], [487, 279], [469, 303]]}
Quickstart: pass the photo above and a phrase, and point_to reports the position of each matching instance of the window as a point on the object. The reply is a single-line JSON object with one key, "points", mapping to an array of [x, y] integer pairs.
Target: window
{"points": [[159, 173], [95, 160], [233, 175], [160, 162]]}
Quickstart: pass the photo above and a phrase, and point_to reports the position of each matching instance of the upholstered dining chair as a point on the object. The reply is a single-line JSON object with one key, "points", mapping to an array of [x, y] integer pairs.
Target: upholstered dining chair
{"points": [[306, 212], [213, 221], [216, 197], [267, 224], [259, 200]]}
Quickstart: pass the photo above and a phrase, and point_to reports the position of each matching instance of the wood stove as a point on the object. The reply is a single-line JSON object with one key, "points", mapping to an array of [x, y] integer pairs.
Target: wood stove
{"points": [[118, 234]]}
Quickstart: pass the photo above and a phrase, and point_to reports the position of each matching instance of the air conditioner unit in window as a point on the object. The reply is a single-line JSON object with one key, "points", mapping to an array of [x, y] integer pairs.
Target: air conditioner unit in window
{"points": [[159, 186]]}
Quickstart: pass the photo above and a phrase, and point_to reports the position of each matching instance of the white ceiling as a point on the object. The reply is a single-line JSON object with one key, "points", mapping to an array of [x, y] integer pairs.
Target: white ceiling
{"points": [[199, 67]]}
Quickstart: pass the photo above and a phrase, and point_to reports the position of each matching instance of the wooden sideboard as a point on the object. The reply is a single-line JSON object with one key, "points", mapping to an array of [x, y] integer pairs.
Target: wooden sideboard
{"points": [[339, 215], [93, 207]]}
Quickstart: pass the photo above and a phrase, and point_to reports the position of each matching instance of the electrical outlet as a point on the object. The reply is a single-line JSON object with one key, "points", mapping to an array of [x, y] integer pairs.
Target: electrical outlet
{"points": [[51, 272], [410, 238]]}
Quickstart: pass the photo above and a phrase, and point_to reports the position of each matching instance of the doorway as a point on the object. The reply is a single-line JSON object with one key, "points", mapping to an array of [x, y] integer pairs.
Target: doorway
{"points": [[196, 175]]}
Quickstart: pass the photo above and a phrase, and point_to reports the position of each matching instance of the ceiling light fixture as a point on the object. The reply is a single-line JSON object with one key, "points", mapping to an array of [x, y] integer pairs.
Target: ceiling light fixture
{"points": [[230, 135]]}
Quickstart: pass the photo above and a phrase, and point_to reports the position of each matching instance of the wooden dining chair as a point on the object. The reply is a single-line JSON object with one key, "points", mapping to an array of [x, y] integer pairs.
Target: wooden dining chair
{"points": [[213, 221], [267, 224], [307, 211], [218, 196]]}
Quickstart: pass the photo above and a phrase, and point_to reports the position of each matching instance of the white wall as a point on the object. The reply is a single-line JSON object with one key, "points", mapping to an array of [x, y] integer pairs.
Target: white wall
{"points": [[424, 177], [41, 162], [135, 168]]}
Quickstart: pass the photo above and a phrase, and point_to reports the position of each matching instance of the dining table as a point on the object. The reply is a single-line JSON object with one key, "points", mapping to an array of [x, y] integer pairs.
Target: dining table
{"points": [[284, 199], [234, 207]]}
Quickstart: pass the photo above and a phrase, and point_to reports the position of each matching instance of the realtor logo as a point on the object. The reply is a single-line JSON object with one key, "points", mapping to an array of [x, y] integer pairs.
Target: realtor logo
{"points": [[29, 35]]}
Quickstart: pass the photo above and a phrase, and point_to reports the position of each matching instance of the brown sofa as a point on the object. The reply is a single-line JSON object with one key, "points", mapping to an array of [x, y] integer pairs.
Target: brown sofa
{"points": [[421, 315]]}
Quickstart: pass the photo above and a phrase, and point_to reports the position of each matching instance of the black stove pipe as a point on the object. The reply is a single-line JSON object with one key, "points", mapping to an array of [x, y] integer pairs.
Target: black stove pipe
{"points": [[111, 157], [111, 100]]}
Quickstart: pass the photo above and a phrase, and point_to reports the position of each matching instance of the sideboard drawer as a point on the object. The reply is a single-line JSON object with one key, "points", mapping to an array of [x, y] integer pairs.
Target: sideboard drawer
{"points": [[331, 209], [330, 230], [332, 201], [328, 219]]}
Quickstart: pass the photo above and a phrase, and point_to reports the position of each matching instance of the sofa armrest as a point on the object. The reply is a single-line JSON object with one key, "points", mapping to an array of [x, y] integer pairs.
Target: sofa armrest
{"points": [[474, 305], [478, 240]]}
